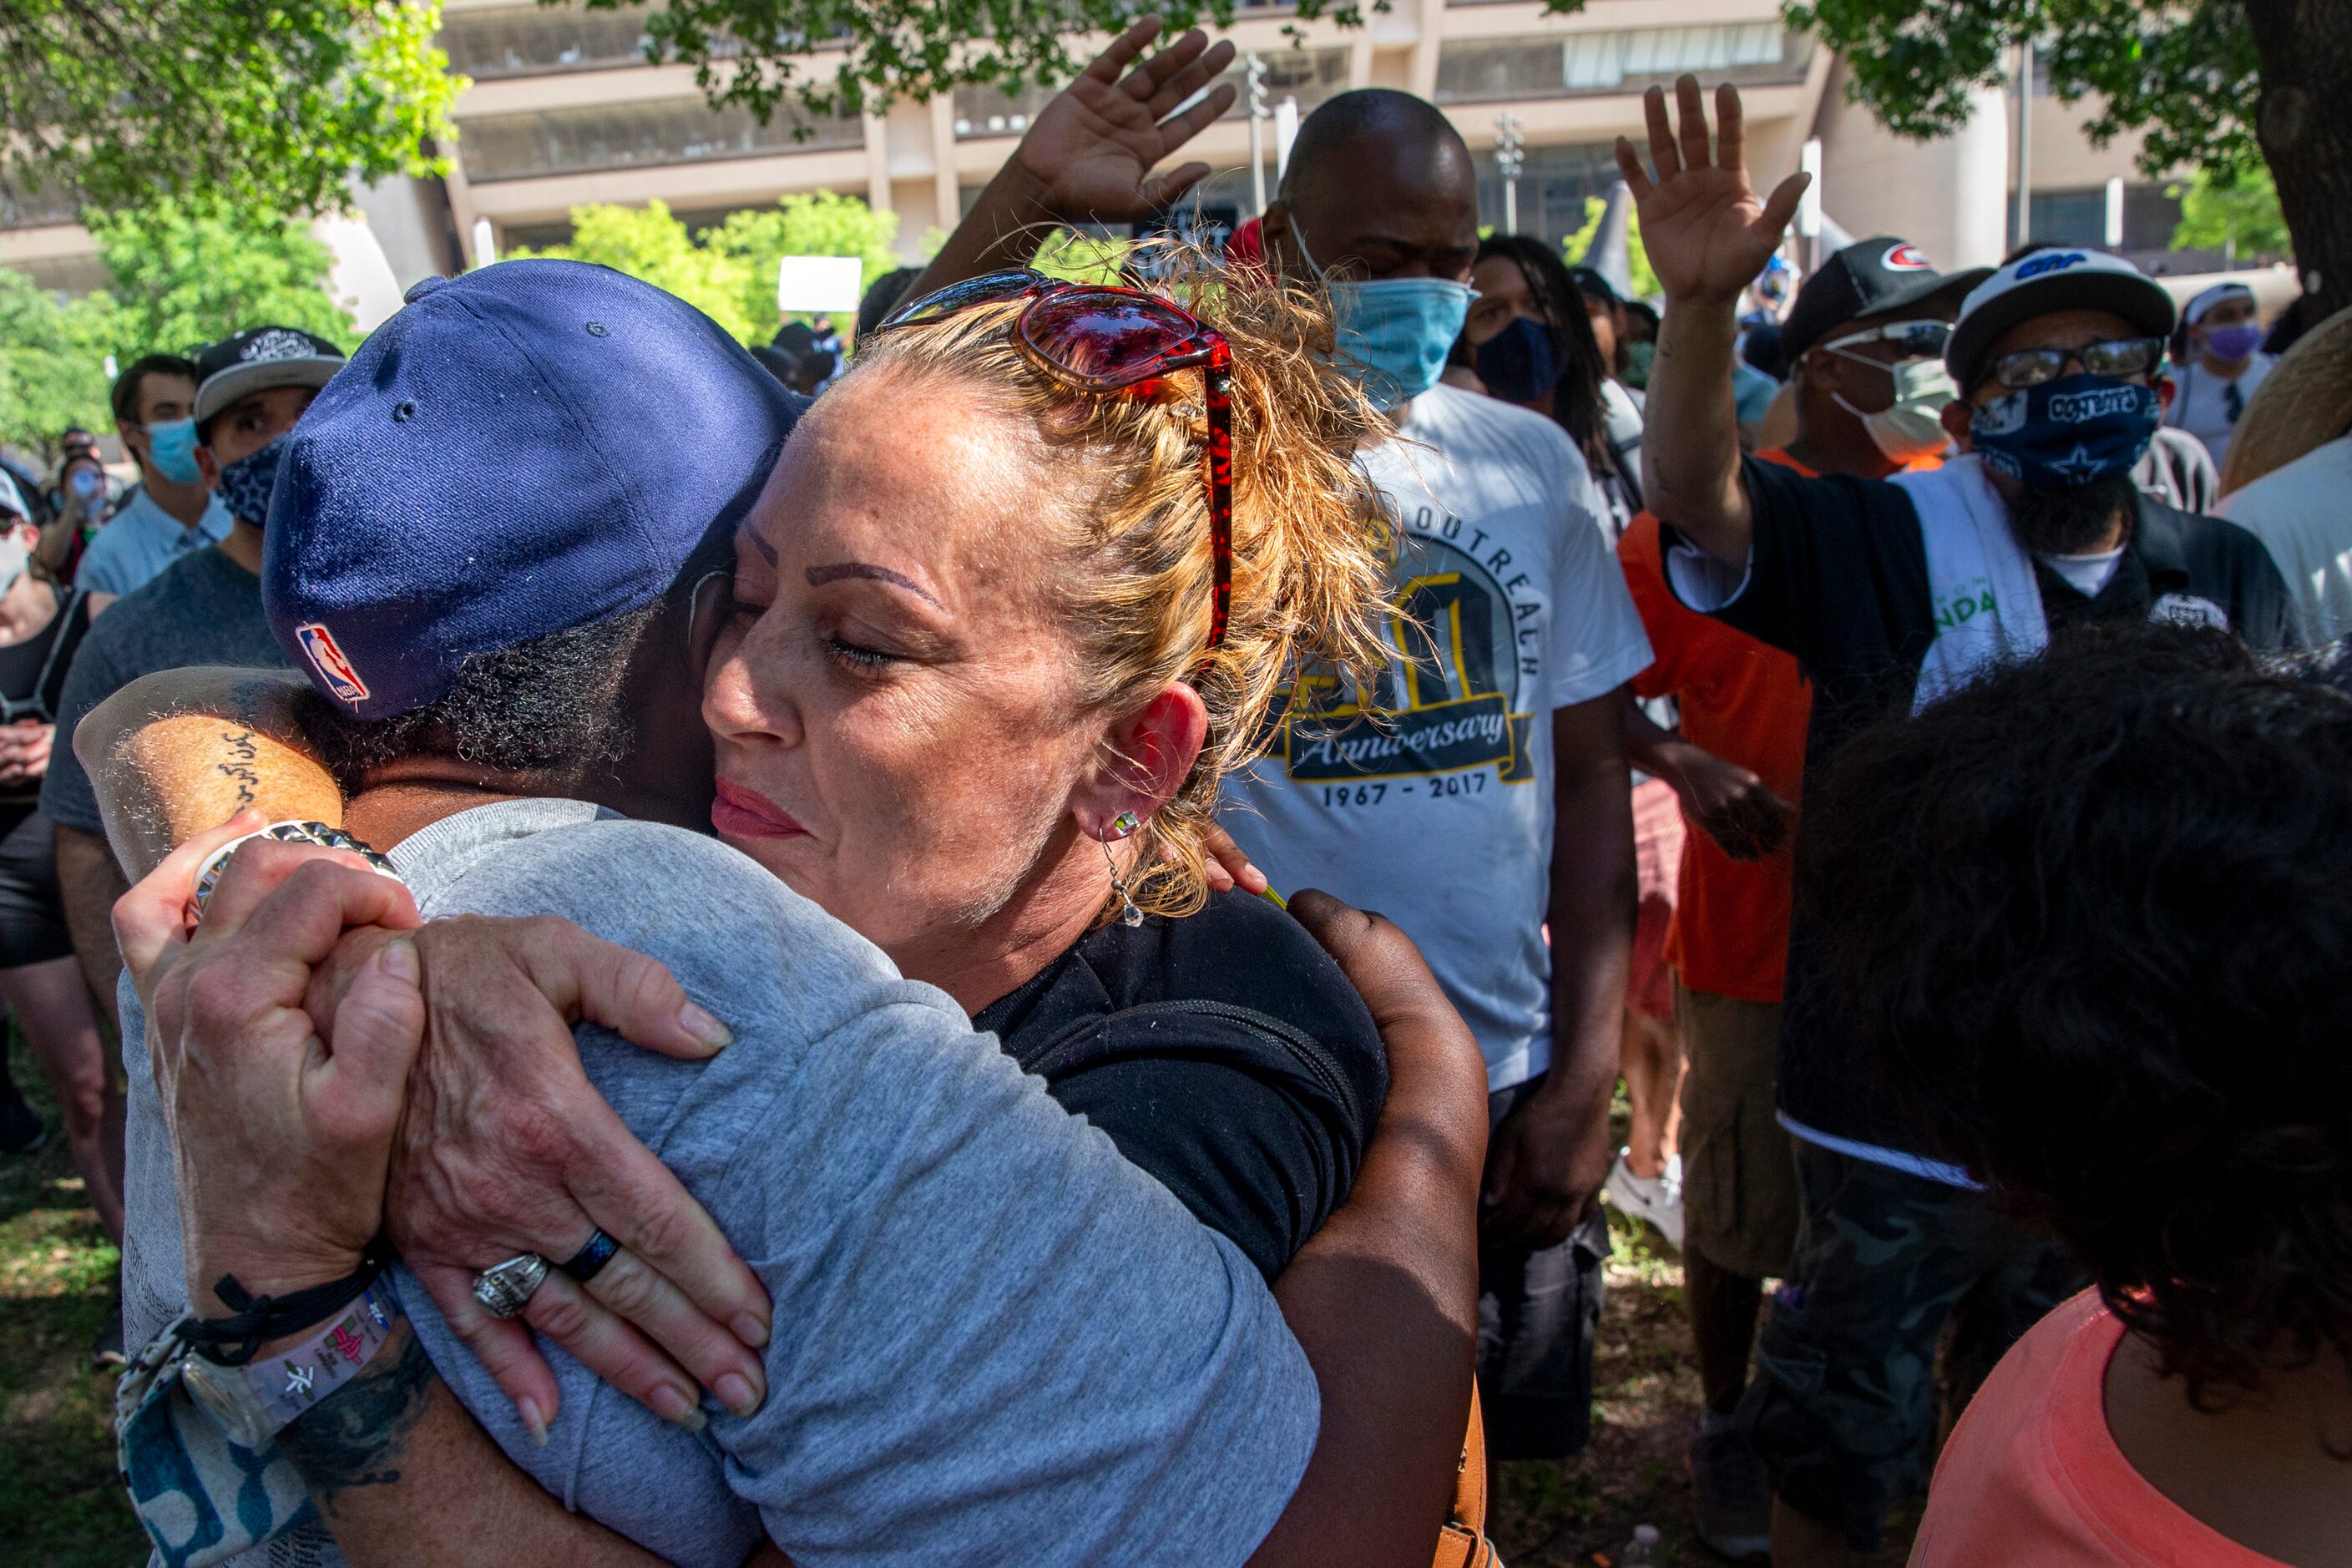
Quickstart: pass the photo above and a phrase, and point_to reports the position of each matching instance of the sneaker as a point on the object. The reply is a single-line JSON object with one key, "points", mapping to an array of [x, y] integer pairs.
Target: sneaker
{"points": [[1731, 1491], [22, 1131], [1656, 1199]]}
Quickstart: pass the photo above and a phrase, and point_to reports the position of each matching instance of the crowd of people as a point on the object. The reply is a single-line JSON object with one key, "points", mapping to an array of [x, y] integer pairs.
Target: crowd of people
{"points": [[727, 953]]}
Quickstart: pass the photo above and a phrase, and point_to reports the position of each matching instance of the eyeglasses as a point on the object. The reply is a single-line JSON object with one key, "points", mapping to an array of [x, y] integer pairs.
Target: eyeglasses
{"points": [[1912, 340], [1112, 342], [2117, 356]]}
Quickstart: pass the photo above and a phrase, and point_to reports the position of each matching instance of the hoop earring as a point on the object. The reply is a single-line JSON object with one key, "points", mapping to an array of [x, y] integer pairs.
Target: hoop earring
{"points": [[1128, 915]]}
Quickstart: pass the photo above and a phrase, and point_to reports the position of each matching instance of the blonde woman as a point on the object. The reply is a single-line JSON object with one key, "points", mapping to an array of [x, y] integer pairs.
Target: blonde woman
{"points": [[1013, 601]]}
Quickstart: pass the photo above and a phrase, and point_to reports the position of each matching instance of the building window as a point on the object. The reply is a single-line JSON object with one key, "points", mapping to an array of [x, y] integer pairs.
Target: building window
{"points": [[2080, 217], [1553, 187], [992, 111], [1571, 65], [1310, 76], [55, 202], [630, 135], [531, 40]]}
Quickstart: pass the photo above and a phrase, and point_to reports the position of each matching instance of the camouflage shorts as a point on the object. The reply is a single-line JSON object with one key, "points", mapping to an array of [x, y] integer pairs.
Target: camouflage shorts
{"points": [[1844, 1403]]}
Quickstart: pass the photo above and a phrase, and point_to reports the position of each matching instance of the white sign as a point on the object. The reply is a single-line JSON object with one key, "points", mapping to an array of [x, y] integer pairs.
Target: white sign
{"points": [[825, 283]]}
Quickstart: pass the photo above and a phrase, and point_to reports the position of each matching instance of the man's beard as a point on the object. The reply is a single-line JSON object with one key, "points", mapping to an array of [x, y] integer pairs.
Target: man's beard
{"points": [[2073, 521]]}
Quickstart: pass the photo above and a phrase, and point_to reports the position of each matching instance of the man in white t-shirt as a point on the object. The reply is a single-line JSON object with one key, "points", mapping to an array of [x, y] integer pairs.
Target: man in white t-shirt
{"points": [[1476, 787], [2298, 512]]}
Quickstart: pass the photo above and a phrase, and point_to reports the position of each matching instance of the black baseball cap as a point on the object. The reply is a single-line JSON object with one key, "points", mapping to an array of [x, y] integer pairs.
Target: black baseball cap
{"points": [[1874, 278], [257, 359]]}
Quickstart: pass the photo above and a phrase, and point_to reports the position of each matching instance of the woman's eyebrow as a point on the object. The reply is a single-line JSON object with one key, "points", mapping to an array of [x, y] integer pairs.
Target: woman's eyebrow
{"points": [[751, 530], [818, 576]]}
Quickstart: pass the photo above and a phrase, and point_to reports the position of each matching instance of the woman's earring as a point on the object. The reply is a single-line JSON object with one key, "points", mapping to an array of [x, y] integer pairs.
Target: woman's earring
{"points": [[1128, 915], [1124, 824]]}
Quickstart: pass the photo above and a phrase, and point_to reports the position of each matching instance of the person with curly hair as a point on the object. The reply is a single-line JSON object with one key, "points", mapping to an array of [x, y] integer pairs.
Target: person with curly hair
{"points": [[2094, 914]]}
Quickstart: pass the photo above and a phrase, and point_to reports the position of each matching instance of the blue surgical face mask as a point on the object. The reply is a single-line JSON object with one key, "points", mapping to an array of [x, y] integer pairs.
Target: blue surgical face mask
{"points": [[245, 485], [172, 447], [1394, 333], [2067, 433], [1521, 363]]}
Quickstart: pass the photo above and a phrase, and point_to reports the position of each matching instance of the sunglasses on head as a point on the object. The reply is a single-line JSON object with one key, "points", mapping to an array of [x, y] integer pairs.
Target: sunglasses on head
{"points": [[1108, 340], [2117, 356]]}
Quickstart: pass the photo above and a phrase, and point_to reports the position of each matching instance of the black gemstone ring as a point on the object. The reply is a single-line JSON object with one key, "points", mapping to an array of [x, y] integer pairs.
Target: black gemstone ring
{"points": [[586, 1264]]}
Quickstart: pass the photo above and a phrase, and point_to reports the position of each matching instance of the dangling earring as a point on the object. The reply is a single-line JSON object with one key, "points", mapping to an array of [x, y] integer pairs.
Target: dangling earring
{"points": [[1120, 826]]}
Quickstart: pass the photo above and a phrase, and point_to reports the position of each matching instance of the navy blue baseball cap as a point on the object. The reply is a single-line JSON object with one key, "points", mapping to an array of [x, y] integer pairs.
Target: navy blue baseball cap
{"points": [[531, 448]]}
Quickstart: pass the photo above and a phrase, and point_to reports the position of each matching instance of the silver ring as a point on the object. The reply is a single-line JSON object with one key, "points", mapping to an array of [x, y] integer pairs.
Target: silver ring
{"points": [[506, 1289]]}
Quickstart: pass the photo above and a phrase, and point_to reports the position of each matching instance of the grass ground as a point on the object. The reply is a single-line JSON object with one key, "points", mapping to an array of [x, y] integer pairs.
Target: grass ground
{"points": [[61, 1505]]}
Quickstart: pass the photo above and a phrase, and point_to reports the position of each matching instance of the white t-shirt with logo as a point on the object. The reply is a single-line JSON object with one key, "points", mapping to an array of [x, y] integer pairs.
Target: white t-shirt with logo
{"points": [[1428, 797]]}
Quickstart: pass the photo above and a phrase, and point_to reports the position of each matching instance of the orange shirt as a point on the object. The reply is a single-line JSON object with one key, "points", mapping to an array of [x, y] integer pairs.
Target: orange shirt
{"points": [[1745, 704], [2032, 1477]]}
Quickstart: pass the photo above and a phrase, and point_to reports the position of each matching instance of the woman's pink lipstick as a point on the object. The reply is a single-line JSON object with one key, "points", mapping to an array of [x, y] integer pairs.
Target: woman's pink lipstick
{"points": [[747, 813]]}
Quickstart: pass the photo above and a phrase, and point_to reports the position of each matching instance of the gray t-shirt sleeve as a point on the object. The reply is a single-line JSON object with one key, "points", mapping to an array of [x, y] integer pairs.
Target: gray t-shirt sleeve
{"points": [[987, 1319], [995, 1340], [66, 797]]}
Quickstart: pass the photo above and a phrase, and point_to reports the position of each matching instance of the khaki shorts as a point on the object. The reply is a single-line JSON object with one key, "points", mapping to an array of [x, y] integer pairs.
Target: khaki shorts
{"points": [[1739, 1175]]}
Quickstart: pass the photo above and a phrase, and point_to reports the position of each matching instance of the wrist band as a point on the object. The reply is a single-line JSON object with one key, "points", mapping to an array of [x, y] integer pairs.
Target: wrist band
{"points": [[255, 1401], [289, 832], [232, 1341]]}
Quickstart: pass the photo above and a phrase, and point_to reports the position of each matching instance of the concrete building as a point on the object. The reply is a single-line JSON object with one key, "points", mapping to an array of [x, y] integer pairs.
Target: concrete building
{"points": [[564, 111]]}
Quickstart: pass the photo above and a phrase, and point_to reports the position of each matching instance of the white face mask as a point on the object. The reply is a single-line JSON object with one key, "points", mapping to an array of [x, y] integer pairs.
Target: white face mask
{"points": [[1912, 426]]}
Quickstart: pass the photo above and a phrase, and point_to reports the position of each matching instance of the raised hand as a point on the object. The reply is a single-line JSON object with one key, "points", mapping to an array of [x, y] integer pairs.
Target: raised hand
{"points": [[1706, 232], [1092, 148]]}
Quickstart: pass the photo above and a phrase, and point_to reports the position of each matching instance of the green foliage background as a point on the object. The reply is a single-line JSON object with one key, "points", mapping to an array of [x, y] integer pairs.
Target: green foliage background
{"points": [[728, 272]]}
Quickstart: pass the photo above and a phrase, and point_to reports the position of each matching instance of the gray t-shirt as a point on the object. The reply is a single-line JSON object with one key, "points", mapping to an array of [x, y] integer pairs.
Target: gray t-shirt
{"points": [[201, 609], [995, 1340]]}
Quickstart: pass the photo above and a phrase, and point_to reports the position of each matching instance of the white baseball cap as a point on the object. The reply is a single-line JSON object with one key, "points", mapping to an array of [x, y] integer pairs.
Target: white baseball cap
{"points": [[2059, 278]]}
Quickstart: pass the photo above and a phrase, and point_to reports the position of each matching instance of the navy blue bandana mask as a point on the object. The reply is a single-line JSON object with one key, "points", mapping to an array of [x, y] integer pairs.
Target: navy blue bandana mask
{"points": [[2067, 433], [1521, 363], [245, 485]]}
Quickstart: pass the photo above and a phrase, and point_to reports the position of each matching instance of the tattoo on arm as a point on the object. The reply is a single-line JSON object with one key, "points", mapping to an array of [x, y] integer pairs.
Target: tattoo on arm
{"points": [[242, 754], [356, 1437]]}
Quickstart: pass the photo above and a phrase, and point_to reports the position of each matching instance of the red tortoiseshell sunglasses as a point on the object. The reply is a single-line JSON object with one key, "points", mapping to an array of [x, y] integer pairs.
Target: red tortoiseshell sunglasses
{"points": [[1110, 341]]}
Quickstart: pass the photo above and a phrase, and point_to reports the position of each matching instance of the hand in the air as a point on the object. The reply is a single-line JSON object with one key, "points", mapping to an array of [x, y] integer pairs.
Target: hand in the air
{"points": [[1092, 148], [1706, 232]]}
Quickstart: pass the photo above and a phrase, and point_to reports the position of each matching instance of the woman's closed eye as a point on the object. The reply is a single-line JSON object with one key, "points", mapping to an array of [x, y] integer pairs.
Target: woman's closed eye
{"points": [[857, 656]]}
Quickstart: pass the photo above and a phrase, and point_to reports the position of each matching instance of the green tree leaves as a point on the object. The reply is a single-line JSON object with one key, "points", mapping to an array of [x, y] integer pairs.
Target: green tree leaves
{"points": [[256, 105], [52, 364], [187, 277], [729, 273], [2186, 75], [2239, 213]]}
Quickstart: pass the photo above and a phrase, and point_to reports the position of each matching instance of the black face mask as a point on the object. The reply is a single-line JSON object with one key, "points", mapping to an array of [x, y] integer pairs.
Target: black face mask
{"points": [[245, 484], [1521, 363]]}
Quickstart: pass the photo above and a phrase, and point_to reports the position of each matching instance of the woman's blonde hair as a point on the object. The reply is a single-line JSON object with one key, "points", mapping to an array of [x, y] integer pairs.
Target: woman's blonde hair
{"points": [[1309, 550]]}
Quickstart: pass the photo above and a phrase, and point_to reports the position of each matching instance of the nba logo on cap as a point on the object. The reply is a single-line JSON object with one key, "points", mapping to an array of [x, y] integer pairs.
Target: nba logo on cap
{"points": [[328, 659]]}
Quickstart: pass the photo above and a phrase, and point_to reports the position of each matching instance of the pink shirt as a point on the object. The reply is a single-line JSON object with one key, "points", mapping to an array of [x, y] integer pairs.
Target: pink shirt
{"points": [[2033, 1479]]}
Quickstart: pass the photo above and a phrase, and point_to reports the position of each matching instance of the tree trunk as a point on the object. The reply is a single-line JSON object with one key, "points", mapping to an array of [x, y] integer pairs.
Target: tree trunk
{"points": [[2304, 123]]}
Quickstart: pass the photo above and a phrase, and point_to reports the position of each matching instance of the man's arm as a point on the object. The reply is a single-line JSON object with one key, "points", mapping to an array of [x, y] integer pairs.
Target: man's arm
{"points": [[1551, 1153], [1707, 236], [90, 881], [1088, 157]]}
